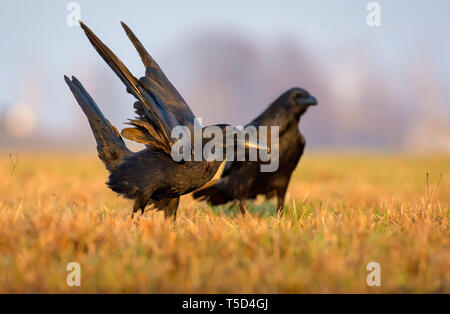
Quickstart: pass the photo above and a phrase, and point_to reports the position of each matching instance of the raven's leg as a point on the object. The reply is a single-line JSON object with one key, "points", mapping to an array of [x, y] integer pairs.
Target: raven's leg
{"points": [[135, 208], [170, 207], [242, 207], [280, 200], [138, 205]]}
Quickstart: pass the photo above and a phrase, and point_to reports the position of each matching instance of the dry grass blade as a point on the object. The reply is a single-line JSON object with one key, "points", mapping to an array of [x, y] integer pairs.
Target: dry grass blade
{"points": [[358, 209]]}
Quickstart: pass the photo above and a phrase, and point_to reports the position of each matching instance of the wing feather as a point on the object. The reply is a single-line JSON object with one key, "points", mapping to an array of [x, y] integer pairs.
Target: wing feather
{"points": [[157, 83], [152, 107]]}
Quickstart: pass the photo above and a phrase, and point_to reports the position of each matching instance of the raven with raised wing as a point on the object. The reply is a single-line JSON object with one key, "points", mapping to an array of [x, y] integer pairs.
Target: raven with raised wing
{"points": [[150, 176]]}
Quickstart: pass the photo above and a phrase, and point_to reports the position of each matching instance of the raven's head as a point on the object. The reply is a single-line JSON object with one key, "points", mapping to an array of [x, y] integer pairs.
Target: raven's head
{"points": [[221, 141], [299, 99], [289, 105]]}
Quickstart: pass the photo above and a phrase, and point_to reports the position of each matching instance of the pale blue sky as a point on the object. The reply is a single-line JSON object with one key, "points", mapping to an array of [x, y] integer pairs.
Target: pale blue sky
{"points": [[38, 47], [37, 29]]}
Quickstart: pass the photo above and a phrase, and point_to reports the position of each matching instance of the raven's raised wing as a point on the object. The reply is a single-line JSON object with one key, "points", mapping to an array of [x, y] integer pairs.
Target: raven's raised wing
{"points": [[158, 84], [155, 122]]}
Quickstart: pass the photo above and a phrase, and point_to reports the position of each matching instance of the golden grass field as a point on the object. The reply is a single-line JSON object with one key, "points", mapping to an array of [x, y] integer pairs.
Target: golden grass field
{"points": [[343, 211]]}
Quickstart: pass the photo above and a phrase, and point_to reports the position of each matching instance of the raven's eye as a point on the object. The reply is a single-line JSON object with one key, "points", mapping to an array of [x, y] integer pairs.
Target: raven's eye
{"points": [[300, 94]]}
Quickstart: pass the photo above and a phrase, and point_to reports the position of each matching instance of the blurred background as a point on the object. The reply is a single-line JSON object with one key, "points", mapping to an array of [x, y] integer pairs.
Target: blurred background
{"points": [[381, 88]]}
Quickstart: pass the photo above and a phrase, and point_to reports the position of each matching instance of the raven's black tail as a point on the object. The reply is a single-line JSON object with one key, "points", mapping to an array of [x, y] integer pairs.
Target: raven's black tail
{"points": [[110, 145]]}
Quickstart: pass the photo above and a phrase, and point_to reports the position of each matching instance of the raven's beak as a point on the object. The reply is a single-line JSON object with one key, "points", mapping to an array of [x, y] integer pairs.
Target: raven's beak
{"points": [[261, 145], [311, 101]]}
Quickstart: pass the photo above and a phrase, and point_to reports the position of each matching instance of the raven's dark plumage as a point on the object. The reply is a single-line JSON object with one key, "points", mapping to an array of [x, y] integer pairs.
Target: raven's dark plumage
{"points": [[151, 176], [243, 180]]}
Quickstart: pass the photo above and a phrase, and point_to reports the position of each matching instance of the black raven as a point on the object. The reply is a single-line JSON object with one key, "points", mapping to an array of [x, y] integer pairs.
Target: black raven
{"points": [[243, 180], [150, 176]]}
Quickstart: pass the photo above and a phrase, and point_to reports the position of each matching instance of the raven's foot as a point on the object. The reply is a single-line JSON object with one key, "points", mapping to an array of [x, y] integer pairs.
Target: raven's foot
{"points": [[243, 207]]}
